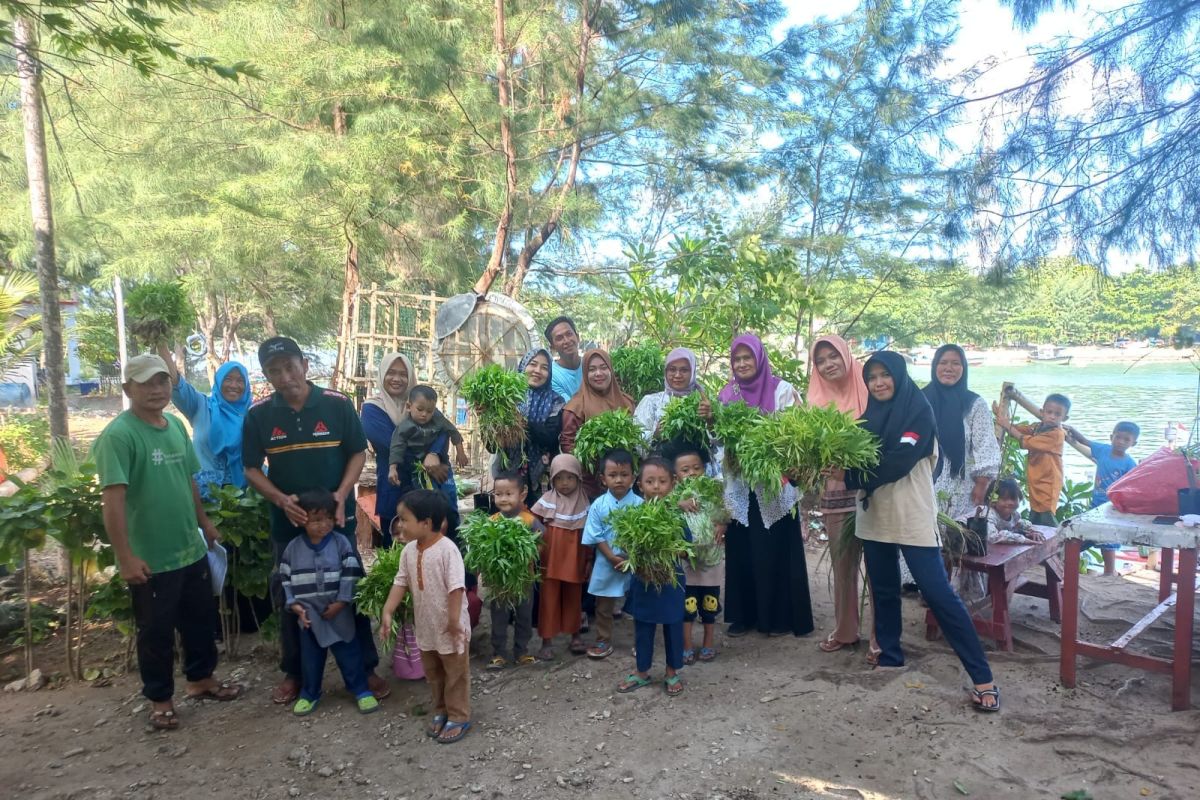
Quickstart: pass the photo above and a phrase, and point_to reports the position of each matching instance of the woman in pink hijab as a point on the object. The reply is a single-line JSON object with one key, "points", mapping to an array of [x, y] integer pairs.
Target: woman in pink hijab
{"points": [[836, 379]]}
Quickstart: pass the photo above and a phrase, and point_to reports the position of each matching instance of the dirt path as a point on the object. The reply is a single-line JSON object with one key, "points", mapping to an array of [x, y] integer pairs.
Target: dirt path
{"points": [[769, 719]]}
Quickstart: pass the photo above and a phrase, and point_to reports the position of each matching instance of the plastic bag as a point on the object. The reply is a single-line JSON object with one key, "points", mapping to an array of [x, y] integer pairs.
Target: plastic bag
{"points": [[1152, 487], [218, 563], [406, 656]]}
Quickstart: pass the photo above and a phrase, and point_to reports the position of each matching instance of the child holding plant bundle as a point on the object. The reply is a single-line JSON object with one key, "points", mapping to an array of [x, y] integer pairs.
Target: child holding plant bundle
{"points": [[1044, 441], [320, 570], [608, 583], [509, 493], [432, 569], [654, 598], [422, 424], [701, 500], [565, 561]]}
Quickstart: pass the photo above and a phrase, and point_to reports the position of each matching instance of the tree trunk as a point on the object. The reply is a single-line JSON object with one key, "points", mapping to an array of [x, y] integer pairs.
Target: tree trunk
{"points": [[350, 283], [30, 77], [507, 146], [209, 319]]}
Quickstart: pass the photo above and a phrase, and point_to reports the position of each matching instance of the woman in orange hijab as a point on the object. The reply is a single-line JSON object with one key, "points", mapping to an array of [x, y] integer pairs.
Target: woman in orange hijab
{"points": [[598, 393], [836, 379]]}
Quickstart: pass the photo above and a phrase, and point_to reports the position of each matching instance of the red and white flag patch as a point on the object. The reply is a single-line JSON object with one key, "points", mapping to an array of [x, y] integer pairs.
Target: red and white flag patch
{"points": [[909, 437]]}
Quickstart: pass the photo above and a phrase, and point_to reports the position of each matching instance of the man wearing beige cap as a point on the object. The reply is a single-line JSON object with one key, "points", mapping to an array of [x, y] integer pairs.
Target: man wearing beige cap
{"points": [[152, 509]]}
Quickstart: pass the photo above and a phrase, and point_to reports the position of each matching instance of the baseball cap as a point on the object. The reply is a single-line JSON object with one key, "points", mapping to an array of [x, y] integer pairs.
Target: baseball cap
{"points": [[277, 346], [142, 368]]}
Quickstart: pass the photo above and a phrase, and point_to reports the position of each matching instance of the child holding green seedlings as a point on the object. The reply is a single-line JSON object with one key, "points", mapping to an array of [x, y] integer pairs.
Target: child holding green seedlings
{"points": [[509, 493], [609, 583], [653, 606], [706, 572]]}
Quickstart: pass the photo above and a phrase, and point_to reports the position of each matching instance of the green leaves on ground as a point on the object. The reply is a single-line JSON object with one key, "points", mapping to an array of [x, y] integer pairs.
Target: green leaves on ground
{"points": [[495, 392], [612, 430], [681, 421], [651, 536], [159, 312], [709, 495], [640, 369], [504, 551]]}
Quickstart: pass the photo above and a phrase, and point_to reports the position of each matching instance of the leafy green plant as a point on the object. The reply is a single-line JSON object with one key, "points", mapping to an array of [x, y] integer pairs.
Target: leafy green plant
{"points": [[681, 421], [611, 430], [807, 440], [733, 422], [25, 440], [709, 495], [375, 586], [503, 550], [640, 369], [159, 312], [651, 536], [494, 393]]}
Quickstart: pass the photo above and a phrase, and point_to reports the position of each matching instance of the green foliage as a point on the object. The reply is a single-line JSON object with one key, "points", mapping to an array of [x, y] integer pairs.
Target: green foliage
{"points": [[373, 589], [651, 536], [111, 600], [25, 440], [504, 551], [681, 421], [709, 495], [732, 425], [639, 369], [159, 312], [612, 430], [494, 393], [244, 519], [20, 329], [96, 330]]}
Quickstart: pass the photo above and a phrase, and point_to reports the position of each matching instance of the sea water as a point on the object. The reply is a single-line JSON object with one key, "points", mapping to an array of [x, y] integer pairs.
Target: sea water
{"points": [[1101, 396]]}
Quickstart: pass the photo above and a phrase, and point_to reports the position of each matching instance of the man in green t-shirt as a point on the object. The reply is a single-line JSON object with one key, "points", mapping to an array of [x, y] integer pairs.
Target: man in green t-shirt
{"points": [[311, 438], [152, 510]]}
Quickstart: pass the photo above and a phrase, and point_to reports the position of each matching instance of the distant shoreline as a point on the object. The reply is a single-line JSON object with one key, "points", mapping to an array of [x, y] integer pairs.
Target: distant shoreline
{"points": [[1082, 356]]}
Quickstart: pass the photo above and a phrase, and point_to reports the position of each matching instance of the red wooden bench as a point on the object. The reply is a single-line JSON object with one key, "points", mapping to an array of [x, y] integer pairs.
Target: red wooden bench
{"points": [[1005, 566]]}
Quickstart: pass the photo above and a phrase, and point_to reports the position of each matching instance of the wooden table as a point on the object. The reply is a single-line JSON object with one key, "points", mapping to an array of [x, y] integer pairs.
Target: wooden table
{"points": [[1106, 525], [1005, 566]]}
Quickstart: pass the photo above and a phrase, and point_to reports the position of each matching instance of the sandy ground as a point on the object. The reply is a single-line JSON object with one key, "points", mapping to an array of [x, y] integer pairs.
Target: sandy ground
{"points": [[769, 718]]}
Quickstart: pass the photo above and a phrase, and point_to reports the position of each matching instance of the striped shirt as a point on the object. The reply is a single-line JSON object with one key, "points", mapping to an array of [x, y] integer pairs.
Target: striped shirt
{"points": [[316, 576]]}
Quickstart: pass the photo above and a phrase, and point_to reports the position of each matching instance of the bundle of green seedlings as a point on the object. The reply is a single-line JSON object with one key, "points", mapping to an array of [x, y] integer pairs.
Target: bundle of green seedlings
{"points": [[681, 420], [373, 589], [159, 312], [639, 369], [731, 425], [503, 551], [612, 430], [709, 496], [494, 393], [651, 536]]}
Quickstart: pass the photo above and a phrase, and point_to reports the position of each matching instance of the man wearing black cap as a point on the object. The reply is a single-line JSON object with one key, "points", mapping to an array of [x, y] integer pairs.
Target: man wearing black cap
{"points": [[313, 438], [567, 375]]}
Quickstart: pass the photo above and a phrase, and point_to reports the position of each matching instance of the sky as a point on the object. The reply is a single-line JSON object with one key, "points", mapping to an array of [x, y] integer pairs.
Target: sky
{"points": [[986, 34]]}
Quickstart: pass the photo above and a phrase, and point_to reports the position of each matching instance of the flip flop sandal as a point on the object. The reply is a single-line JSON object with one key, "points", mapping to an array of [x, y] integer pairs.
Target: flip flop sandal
{"points": [[436, 724], [674, 686], [285, 693], [689, 657], [832, 645], [547, 654], [378, 686], [600, 650], [707, 654], [525, 661], [304, 707], [457, 730], [224, 692], [497, 663], [165, 720], [577, 649], [873, 654], [977, 696], [632, 683], [368, 704]]}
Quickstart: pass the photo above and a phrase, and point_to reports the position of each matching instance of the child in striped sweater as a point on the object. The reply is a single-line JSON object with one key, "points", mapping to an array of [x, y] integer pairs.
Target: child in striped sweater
{"points": [[320, 570]]}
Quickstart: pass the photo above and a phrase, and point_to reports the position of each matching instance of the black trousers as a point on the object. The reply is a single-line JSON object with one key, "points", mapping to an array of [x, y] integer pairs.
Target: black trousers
{"points": [[180, 600], [289, 624]]}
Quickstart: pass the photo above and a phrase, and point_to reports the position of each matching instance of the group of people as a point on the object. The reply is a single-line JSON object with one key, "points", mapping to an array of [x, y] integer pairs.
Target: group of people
{"points": [[303, 448]]}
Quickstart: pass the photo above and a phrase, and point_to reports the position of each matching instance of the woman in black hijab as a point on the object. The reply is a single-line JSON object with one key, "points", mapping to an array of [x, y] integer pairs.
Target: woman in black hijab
{"points": [[897, 514]]}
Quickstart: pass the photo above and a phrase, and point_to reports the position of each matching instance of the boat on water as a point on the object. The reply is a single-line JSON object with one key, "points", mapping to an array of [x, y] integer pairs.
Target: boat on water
{"points": [[1048, 354]]}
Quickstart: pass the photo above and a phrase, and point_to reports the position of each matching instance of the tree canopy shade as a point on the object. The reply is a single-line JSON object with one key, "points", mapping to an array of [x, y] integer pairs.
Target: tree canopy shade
{"points": [[1097, 149]]}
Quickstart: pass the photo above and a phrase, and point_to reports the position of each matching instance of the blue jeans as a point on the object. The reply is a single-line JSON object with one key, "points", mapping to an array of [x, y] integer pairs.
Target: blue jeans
{"points": [[643, 639], [349, 659], [925, 564]]}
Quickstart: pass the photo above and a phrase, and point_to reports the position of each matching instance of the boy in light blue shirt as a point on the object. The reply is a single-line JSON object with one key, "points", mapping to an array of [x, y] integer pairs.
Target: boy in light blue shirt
{"points": [[1112, 461], [608, 583]]}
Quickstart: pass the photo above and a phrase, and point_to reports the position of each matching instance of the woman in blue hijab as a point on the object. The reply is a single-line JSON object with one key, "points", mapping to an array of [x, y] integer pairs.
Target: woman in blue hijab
{"points": [[216, 420]]}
